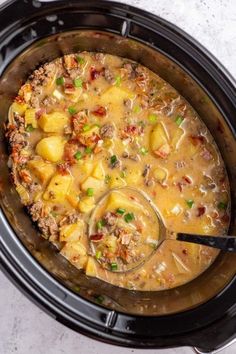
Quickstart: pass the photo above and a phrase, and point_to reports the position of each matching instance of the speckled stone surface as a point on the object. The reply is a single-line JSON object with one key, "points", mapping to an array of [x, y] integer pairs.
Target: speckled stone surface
{"points": [[24, 328]]}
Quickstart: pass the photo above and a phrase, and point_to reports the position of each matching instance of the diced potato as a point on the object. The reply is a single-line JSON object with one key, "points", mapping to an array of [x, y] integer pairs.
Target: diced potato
{"points": [[41, 169], [92, 182], [158, 137], [86, 204], [91, 267], [111, 243], [133, 176], [53, 122], [117, 181], [177, 137], [51, 148], [71, 232], [116, 95], [30, 118], [98, 171], [73, 198], [93, 130], [19, 108], [23, 193], [160, 174], [76, 253], [119, 200], [86, 167], [58, 188]]}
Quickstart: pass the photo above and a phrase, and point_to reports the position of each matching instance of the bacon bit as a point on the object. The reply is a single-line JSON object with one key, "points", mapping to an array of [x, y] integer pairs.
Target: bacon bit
{"points": [[96, 237], [85, 85], [40, 112], [180, 186], [63, 168], [201, 211], [187, 179], [78, 120], [94, 73], [97, 149], [139, 226], [25, 176], [184, 251], [99, 111], [69, 88], [70, 62], [19, 99], [163, 151], [206, 155], [131, 130], [198, 139]]}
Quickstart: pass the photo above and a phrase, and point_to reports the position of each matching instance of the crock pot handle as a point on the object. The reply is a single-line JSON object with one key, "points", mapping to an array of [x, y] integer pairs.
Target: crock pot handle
{"points": [[199, 351]]}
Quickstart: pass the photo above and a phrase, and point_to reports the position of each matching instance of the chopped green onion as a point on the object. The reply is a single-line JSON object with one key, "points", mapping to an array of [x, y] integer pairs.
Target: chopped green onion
{"points": [[80, 60], [129, 217], [113, 159], [117, 80], [78, 82], [222, 205], [190, 203], [143, 151], [98, 254], [107, 179], [137, 109], [99, 299], [90, 192], [60, 81], [72, 110], [86, 127], [114, 266], [122, 174], [120, 211], [101, 223], [88, 150], [78, 155], [152, 118], [179, 120], [29, 128]]}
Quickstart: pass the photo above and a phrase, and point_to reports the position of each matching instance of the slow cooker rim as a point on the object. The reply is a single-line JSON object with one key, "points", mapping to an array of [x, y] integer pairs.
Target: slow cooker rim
{"points": [[185, 35]]}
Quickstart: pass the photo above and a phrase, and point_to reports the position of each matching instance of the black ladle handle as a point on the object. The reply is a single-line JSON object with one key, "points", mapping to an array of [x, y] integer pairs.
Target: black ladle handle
{"points": [[224, 243]]}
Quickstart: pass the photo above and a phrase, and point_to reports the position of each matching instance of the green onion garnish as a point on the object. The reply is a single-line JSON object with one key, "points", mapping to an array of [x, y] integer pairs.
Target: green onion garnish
{"points": [[117, 80], [29, 128], [122, 174], [137, 109], [88, 150], [90, 192], [98, 254], [101, 223], [78, 82], [86, 127], [78, 155], [120, 211], [80, 60], [72, 110], [190, 203], [143, 151], [114, 266], [113, 159], [222, 206], [129, 217], [99, 299], [179, 120], [152, 118], [60, 81]]}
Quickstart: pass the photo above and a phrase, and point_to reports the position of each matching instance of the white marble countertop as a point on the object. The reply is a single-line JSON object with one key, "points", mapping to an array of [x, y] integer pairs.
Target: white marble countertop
{"points": [[24, 328]]}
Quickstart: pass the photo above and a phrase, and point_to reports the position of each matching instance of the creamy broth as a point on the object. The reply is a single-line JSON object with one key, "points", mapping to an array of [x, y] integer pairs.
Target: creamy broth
{"points": [[90, 122]]}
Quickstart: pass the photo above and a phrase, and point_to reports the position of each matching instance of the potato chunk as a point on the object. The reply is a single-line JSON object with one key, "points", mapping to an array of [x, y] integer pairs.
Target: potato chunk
{"points": [[93, 183], [53, 122], [98, 171], [86, 204], [159, 174], [71, 232], [19, 108], [133, 176], [51, 148], [58, 188], [91, 267], [76, 253], [30, 118], [116, 95], [159, 141], [119, 200], [41, 169]]}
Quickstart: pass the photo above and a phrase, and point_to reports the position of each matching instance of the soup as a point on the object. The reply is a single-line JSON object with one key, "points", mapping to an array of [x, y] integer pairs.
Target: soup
{"points": [[88, 123]]}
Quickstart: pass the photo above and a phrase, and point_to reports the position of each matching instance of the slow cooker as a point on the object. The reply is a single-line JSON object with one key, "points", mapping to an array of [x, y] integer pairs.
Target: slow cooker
{"points": [[201, 313]]}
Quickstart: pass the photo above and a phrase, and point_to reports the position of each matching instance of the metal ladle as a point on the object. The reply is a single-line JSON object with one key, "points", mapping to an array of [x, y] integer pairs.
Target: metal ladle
{"points": [[225, 243]]}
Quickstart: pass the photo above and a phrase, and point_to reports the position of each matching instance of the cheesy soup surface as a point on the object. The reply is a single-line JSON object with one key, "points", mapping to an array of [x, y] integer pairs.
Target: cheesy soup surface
{"points": [[90, 122]]}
